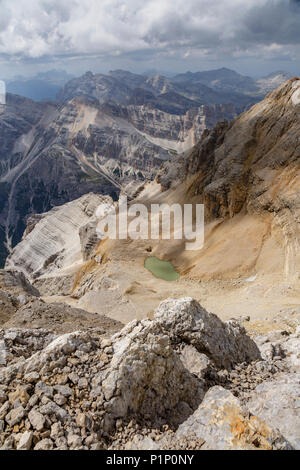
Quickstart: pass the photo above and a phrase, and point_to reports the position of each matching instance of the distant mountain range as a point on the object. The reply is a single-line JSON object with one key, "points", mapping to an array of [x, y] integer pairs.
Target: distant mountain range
{"points": [[42, 86], [220, 86], [105, 133], [226, 80], [174, 95]]}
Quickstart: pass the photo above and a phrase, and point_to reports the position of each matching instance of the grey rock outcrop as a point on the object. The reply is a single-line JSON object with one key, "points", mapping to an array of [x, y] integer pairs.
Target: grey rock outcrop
{"points": [[52, 153], [79, 388], [219, 423], [224, 343], [278, 403], [223, 424], [147, 377], [195, 362], [57, 285]]}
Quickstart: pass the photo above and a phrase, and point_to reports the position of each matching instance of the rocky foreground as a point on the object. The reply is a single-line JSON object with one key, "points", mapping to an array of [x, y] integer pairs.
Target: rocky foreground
{"points": [[184, 380]]}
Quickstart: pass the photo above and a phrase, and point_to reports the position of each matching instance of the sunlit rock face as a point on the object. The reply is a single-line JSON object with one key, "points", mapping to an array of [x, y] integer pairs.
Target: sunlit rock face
{"points": [[52, 242], [247, 172]]}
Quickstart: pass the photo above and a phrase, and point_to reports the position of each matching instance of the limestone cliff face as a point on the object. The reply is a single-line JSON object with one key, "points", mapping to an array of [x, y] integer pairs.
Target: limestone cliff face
{"points": [[52, 242], [169, 132]]}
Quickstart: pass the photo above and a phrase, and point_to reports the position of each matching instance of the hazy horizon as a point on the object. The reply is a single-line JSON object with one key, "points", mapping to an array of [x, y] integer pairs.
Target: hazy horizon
{"points": [[38, 73], [170, 36]]}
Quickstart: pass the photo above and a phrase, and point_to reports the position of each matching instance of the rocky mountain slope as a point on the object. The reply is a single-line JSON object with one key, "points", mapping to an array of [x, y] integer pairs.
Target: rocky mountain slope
{"points": [[184, 380], [176, 376], [55, 152], [52, 154], [247, 175]]}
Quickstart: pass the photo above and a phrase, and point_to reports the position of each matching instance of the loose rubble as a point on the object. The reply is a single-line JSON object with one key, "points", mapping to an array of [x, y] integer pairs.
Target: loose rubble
{"points": [[59, 318], [184, 380]]}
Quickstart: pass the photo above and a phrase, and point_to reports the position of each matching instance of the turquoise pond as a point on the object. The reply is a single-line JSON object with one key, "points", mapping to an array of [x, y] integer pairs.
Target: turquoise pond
{"points": [[161, 269]]}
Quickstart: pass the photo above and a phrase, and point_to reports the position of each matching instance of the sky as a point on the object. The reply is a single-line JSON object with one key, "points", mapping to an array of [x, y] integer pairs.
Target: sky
{"points": [[253, 37]]}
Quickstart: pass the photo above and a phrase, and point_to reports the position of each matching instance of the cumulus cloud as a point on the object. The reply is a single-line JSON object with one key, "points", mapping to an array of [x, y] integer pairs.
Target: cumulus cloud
{"points": [[75, 28]]}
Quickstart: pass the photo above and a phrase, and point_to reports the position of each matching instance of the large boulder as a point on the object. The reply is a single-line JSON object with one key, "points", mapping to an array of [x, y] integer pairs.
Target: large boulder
{"points": [[219, 423], [223, 424], [146, 377], [226, 344]]}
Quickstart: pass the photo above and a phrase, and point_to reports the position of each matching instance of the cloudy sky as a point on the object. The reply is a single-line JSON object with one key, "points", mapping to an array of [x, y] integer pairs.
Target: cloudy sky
{"points": [[253, 37]]}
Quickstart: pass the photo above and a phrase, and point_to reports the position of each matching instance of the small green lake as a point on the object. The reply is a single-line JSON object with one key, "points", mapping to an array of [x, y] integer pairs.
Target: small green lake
{"points": [[161, 269]]}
